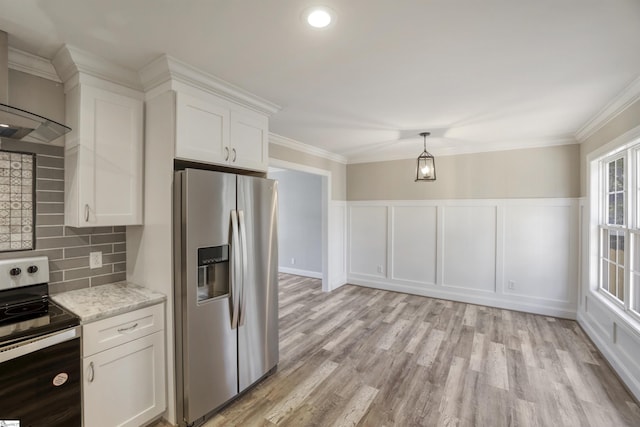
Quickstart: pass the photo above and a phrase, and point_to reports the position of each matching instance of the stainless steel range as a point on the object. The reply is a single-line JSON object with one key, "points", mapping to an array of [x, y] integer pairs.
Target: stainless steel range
{"points": [[39, 349]]}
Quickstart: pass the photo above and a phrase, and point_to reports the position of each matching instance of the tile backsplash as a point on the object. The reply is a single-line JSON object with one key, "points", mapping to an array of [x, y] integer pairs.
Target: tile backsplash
{"points": [[16, 201], [67, 247]]}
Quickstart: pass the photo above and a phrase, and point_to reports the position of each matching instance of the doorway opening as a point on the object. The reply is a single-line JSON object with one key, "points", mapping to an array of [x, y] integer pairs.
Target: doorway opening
{"points": [[303, 206]]}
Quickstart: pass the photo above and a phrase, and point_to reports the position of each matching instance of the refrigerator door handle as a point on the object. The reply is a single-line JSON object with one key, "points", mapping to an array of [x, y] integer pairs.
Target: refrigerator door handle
{"points": [[243, 239], [235, 295]]}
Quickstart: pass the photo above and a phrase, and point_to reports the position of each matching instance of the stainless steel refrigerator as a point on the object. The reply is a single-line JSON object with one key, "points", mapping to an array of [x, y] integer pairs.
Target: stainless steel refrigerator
{"points": [[226, 293]]}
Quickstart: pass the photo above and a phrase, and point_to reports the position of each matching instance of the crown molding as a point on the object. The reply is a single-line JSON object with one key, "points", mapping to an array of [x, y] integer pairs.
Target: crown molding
{"points": [[70, 61], [32, 64], [168, 69], [305, 148], [617, 105]]}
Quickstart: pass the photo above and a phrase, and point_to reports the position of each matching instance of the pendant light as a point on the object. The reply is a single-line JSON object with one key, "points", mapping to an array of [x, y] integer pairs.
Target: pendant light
{"points": [[426, 167]]}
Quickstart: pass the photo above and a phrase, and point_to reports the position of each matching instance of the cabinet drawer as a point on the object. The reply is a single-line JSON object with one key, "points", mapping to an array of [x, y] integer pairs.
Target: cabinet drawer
{"points": [[107, 333]]}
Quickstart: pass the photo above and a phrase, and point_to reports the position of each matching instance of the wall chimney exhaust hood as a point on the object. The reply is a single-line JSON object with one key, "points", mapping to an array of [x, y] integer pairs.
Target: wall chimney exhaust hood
{"points": [[16, 123]]}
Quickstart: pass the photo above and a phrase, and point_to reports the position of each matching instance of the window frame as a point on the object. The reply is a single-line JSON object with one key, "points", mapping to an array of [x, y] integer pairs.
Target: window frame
{"points": [[630, 227]]}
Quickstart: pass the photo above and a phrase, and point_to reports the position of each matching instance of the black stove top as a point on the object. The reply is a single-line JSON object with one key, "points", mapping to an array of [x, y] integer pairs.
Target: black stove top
{"points": [[26, 311], [56, 319]]}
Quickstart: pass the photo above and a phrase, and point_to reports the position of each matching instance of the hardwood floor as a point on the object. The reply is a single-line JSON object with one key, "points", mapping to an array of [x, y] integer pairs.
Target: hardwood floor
{"points": [[366, 357]]}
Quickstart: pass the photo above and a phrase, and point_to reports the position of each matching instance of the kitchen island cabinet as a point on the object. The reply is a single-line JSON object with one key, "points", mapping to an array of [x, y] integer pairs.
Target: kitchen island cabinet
{"points": [[123, 353]]}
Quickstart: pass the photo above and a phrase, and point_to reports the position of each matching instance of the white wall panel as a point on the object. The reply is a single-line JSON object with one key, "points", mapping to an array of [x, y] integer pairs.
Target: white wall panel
{"points": [[368, 240], [414, 232], [469, 256], [540, 252], [468, 250], [628, 343]]}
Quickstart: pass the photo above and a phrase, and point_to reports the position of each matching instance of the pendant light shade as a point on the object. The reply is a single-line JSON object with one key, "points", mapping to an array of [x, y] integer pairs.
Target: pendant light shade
{"points": [[426, 167]]}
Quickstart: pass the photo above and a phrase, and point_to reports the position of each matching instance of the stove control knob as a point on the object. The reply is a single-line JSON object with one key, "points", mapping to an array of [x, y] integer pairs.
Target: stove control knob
{"points": [[15, 271], [32, 269]]}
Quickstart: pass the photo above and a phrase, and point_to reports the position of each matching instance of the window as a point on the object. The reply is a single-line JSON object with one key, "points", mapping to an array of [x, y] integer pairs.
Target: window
{"points": [[619, 237]]}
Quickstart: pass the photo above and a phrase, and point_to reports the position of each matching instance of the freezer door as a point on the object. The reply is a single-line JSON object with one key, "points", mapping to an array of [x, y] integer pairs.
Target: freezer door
{"points": [[258, 322], [204, 306]]}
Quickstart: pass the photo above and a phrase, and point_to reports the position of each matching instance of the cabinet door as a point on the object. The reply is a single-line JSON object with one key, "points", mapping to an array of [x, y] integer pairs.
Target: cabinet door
{"points": [[108, 166], [249, 140], [125, 385], [202, 130]]}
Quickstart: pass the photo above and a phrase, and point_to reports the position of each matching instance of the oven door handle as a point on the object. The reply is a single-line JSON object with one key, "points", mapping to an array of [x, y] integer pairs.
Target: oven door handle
{"points": [[31, 346]]}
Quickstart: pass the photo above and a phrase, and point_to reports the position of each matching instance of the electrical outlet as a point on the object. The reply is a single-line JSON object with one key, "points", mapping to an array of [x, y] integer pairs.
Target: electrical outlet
{"points": [[379, 269], [511, 285], [95, 259], [293, 261]]}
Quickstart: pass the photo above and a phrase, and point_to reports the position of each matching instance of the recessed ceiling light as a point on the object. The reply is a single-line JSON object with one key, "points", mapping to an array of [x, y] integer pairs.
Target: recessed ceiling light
{"points": [[319, 17]]}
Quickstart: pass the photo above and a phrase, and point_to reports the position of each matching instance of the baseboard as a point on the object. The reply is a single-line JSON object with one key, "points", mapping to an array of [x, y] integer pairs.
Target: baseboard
{"points": [[491, 300], [337, 282], [298, 272]]}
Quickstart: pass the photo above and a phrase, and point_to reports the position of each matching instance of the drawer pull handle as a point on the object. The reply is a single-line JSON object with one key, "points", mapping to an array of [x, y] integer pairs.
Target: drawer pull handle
{"points": [[86, 213], [226, 153], [91, 372], [233, 150], [135, 325]]}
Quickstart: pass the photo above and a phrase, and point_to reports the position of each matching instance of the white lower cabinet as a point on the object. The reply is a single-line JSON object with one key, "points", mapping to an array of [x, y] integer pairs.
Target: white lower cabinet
{"points": [[124, 384]]}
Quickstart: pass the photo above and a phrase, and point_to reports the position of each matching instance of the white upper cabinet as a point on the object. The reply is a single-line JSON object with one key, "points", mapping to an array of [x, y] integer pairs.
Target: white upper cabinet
{"points": [[202, 130], [212, 131], [216, 122], [250, 139], [104, 150]]}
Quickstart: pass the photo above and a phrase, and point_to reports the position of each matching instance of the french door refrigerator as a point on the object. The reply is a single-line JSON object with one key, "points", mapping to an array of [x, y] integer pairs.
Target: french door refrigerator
{"points": [[226, 295]]}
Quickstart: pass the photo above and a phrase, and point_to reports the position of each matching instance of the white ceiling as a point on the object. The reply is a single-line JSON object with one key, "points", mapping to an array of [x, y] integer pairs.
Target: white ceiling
{"points": [[478, 74]]}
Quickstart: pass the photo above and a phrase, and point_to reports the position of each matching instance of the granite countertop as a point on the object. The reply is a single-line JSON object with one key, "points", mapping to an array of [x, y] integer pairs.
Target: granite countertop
{"points": [[99, 302]]}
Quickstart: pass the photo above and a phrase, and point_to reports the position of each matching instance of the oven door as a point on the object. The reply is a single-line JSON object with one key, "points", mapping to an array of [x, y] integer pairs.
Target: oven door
{"points": [[40, 381]]}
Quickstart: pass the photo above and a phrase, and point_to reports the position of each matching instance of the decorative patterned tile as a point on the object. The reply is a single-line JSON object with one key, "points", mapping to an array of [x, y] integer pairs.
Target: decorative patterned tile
{"points": [[16, 201]]}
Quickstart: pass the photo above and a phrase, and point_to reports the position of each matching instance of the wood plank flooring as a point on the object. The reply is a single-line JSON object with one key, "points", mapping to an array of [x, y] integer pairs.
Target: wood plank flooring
{"points": [[365, 357]]}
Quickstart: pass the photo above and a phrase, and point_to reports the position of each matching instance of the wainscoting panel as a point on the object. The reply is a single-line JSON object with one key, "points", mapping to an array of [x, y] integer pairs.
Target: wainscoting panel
{"points": [[519, 254], [368, 241], [413, 253], [540, 252], [469, 241], [614, 336]]}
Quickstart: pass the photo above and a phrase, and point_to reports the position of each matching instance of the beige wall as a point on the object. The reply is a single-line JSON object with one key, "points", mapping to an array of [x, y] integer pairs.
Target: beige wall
{"points": [[338, 170], [527, 173], [625, 121]]}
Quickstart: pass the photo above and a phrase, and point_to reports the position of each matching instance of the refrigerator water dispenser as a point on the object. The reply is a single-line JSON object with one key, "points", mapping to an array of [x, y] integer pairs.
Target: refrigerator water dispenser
{"points": [[213, 272]]}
